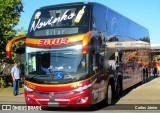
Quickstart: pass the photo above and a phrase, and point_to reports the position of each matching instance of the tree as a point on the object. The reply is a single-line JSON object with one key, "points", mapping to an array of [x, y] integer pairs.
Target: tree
{"points": [[19, 46], [21, 32], [10, 11]]}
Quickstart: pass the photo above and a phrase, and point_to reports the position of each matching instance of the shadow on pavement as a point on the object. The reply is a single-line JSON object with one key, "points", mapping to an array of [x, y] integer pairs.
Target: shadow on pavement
{"points": [[125, 92], [100, 105]]}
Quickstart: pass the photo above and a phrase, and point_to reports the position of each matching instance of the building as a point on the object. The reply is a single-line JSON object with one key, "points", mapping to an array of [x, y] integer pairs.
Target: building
{"points": [[155, 51]]}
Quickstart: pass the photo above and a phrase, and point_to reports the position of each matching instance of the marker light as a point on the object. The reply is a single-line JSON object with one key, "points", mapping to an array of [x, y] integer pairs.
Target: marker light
{"points": [[80, 89], [84, 49], [28, 89]]}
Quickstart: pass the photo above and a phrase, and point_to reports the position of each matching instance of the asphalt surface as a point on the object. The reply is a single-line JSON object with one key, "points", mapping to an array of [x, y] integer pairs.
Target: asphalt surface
{"points": [[135, 98], [148, 93]]}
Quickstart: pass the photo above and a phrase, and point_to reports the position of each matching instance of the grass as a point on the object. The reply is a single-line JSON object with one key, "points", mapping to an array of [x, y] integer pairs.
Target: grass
{"points": [[8, 90], [6, 96]]}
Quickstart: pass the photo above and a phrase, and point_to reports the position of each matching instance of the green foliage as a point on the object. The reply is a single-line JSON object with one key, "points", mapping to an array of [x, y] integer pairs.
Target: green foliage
{"points": [[21, 32], [146, 39], [10, 11]]}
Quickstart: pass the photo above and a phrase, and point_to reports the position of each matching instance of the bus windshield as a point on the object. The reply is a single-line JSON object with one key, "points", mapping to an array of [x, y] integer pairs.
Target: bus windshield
{"points": [[55, 64], [59, 21]]}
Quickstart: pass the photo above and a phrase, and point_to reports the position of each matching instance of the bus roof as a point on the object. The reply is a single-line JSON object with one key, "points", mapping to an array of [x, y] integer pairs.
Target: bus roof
{"points": [[95, 3], [66, 4], [73, 3]]}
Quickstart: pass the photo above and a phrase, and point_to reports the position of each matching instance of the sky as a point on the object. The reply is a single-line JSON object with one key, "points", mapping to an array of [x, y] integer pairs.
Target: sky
{"points": [[143, 12]]}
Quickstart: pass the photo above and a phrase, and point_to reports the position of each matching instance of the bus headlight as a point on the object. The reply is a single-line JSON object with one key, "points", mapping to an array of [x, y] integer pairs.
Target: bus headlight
{"points": [[80, 89], [28, 89]]}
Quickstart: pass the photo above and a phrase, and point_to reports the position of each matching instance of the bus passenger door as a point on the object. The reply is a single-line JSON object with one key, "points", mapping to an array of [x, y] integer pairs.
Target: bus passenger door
{"points": [[96, 59]]}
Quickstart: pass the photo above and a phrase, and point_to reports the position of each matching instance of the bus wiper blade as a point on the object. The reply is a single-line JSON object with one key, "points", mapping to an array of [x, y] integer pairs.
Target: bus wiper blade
{"points": [[35, 76]]}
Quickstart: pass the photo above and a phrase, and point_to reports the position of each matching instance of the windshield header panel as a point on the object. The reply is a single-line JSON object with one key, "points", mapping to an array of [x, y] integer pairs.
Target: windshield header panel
{"points": [[60, 21]]}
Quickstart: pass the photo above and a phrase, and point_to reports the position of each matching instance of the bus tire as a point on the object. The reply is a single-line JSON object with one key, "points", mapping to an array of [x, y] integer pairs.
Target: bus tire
{"points": [[109, 97], [118, 89], [147, 75], [143, 76]]}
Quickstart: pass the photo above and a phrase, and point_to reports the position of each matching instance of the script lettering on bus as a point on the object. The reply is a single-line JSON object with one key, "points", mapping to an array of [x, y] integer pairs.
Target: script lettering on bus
{"points": [[52, 42], [52, 20]]}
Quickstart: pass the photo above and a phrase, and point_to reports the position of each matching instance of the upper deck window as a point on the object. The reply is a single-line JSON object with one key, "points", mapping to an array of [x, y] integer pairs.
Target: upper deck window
{"points": [[60, 21]]}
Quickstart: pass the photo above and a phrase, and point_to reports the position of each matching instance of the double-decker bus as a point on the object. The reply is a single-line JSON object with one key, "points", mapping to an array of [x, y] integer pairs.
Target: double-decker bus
{"points": [[79, 54]]}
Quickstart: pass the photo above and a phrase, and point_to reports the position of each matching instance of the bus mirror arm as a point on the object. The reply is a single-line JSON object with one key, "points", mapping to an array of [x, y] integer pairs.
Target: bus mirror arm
{"points": [[9, 45]]}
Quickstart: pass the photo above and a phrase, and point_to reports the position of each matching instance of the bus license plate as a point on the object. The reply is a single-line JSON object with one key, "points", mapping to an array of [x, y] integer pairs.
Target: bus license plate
{"points": [[53, 104]]}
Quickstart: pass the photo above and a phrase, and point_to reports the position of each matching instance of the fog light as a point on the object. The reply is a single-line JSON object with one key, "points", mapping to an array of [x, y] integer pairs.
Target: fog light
{"points": [[28, 99], [82, 100]]}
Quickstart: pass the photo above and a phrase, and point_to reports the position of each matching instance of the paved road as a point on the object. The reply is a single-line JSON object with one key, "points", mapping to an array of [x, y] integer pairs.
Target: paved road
{"points": [[148, 93], [137, 98]]}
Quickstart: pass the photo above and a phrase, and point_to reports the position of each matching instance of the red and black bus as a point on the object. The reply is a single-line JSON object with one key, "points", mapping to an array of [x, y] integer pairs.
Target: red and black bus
{"points": [[78, 54]]}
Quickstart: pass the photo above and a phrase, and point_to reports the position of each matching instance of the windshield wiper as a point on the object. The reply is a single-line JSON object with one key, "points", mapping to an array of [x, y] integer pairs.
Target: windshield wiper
{"points": [[35, 76]]}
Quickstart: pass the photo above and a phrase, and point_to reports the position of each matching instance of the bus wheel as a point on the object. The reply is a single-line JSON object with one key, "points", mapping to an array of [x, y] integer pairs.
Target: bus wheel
{"points": [[143, 76], [109, 94], [118, 90]]}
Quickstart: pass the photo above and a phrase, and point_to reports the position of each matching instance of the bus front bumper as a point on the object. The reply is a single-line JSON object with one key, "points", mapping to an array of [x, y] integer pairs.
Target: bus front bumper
{"points": [[79, 99]]}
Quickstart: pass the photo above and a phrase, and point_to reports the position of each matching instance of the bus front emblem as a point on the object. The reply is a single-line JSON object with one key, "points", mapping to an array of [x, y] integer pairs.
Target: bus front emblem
{"points": [[51, 95]]}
